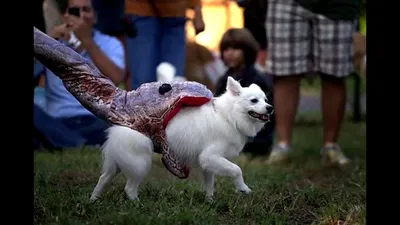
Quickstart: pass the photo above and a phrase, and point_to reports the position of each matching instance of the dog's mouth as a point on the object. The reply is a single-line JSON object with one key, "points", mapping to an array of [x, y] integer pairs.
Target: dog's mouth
{"points": [[262, 117]]}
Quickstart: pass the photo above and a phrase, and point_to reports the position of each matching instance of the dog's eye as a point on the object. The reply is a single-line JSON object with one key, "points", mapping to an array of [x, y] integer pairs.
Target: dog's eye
{"points": [[266, 100], [254, 100]]}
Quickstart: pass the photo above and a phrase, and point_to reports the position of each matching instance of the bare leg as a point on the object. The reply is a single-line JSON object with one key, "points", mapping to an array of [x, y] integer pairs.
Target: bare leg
{"points": [[286, 99], [333, 107]]}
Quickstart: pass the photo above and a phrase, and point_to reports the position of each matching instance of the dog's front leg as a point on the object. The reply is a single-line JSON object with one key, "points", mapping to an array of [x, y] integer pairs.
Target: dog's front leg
{"points": [[220, 166], [209, 184]]}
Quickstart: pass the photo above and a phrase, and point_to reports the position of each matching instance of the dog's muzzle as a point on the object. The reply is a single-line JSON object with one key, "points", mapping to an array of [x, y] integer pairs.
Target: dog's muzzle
{"points": [[263, 117]]}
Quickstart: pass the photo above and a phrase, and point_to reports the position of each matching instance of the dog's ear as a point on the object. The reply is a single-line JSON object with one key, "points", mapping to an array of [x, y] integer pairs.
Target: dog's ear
{"points": [[233, 86]]}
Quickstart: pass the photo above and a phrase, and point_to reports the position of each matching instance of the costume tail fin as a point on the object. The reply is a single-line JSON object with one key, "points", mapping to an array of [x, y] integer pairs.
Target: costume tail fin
{"points": [[80, 77]]}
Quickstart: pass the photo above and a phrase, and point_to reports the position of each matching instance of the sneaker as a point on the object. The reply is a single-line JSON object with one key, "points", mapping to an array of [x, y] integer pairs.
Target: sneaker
{"points": [[332, 155], [278, 154]]}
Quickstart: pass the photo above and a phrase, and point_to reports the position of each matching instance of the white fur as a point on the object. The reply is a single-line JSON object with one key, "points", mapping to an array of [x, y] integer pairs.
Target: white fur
{"points": [[206, 136]]}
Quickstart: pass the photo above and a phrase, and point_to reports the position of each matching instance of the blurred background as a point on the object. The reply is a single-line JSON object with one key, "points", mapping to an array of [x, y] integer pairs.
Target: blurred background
{"points": [[218, 16]]}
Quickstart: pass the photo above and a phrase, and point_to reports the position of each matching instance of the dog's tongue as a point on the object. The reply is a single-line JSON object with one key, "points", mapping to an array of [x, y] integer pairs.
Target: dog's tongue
{"points": [[264, 117]]}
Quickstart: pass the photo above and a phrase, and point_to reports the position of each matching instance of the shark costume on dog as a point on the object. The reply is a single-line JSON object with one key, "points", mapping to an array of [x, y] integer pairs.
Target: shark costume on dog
{"points": [[147, 109]]}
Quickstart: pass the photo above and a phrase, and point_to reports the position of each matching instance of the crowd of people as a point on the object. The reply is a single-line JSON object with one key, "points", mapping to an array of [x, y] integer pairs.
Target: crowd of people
{"points": [[127, 39]]}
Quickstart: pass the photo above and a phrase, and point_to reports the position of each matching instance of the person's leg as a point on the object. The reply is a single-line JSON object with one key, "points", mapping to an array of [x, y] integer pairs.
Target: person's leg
{"points": [[286, 98], [54, 130], [173, 43], [143, 50], [289, 47], [333, 42], [333, 107]]}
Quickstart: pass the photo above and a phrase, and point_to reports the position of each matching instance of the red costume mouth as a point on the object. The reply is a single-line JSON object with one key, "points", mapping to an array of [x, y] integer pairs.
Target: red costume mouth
{"points": [[185, 101]]}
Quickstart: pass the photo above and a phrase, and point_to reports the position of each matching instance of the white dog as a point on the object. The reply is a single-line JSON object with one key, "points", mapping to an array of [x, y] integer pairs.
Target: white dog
{"points": [[222, 128]]}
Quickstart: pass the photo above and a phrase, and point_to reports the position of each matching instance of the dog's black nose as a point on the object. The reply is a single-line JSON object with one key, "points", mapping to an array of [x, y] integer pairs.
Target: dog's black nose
{"points": [[270, 109], [164, 88]]}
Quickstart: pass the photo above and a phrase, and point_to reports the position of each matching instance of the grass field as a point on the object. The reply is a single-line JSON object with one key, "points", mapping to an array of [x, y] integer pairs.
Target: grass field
{"points": [[299, 192]]}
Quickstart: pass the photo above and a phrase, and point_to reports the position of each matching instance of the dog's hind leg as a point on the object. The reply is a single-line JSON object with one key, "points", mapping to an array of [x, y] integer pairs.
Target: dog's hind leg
{"points": [[134, 160], [135, 168], [135, 173], [110, 166], [132, 188], [109, 172], [128, 151]]}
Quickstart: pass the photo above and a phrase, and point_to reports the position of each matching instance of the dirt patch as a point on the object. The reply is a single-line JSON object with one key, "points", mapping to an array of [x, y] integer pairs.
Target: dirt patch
{"points": [[72, 178], [302, 215], [319, 178]]}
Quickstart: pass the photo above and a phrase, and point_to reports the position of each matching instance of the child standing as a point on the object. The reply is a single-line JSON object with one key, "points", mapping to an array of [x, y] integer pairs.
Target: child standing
{"points": [[239, 49]]}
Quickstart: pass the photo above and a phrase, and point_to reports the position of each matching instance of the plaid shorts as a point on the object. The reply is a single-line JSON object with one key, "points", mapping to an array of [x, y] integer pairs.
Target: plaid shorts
{"points": [[300, 41]]}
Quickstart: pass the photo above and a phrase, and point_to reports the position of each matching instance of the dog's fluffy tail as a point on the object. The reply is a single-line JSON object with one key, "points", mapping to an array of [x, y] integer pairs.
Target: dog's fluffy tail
{"points": [[166, 72], [109, 164], [126, 150]]}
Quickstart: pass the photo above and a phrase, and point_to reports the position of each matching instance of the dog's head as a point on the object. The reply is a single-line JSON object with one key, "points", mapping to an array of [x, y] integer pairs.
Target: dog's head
{"points": [[249, 101]]}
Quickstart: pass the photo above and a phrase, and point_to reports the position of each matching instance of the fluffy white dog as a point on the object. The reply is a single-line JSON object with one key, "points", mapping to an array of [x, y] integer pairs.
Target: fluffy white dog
{"points": [[206, 136]]}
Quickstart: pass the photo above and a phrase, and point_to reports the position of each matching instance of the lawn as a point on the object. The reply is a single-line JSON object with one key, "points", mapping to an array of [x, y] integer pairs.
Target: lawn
{"points": [[302, 191]]}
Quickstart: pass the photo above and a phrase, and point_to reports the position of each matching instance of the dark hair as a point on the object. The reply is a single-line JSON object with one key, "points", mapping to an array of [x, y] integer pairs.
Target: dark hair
{"points": [[62, 5], [240, 38]]}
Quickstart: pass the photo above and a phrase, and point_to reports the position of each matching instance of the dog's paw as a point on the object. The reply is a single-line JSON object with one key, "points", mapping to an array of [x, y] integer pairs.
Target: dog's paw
{"points": [[209, 198], [93, 198], [132, 197]]}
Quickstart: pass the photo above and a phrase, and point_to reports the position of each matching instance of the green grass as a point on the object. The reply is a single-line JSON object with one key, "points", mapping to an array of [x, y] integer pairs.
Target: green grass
{"points": [[302, 191]]}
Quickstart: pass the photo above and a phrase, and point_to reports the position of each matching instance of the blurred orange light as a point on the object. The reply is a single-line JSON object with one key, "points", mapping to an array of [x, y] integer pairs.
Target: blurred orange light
{"points": [[218, 16]]}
